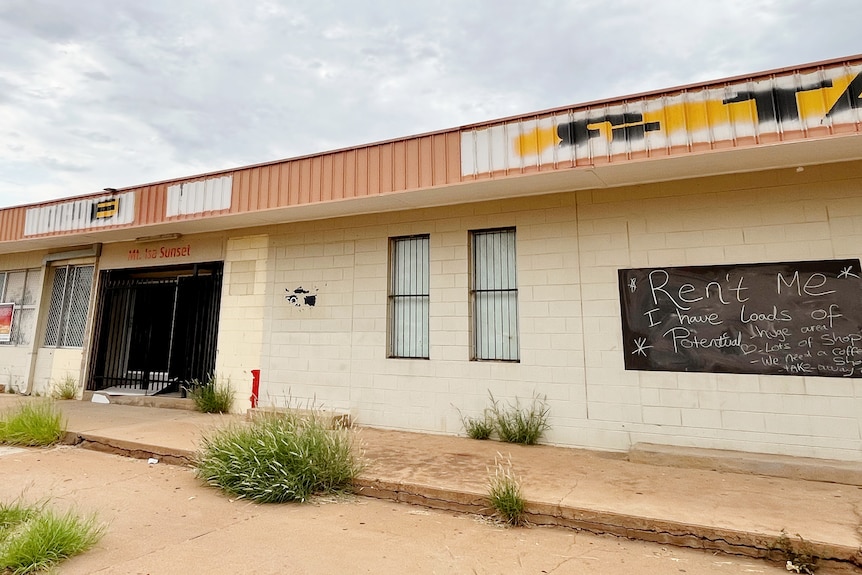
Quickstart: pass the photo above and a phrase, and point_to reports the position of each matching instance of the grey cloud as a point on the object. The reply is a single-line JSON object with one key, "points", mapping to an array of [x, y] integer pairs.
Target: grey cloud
{"points": [[91, 136], [164, 89], [62, 165], [55, 20], [97, 75]]}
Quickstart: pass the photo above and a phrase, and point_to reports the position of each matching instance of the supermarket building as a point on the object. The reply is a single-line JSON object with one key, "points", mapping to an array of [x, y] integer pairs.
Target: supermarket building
{"points": [[677, 267]]}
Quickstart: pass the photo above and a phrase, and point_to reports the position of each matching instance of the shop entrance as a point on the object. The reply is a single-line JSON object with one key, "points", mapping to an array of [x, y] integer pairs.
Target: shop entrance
{"points": [[156, 328]]}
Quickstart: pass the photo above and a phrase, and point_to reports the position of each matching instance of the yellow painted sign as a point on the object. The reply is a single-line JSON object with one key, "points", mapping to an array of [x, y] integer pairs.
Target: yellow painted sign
{"points": [[806, 103], [106, 208], [789, 106]]}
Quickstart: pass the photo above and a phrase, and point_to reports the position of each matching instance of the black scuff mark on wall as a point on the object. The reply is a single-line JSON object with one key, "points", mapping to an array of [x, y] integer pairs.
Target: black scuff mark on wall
{"points": [[301, 297]]}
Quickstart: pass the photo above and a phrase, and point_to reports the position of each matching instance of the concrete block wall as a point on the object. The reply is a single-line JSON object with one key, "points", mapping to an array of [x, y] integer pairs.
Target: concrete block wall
{"points": [[244, 320], [16, 361], [334, 353], [14, 368], [316, 272], [53, 365], [785, 215]]}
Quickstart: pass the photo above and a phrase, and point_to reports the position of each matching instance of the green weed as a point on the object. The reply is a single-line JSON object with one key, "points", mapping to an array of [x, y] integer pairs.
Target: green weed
{"points": [[504, 493], [517, 424], [212, 395], [278, 457], [32, 423], [35, 538], [66, 388], [479, 427]]}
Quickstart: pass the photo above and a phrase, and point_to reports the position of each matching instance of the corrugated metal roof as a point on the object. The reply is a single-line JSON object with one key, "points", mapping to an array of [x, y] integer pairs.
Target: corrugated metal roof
{"points": [[793, 105], [806, 103]]}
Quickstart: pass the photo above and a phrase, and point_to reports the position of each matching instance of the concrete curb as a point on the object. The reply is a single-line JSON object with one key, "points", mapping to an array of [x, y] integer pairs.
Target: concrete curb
{"points": [[824, 470], [158, 401], [750, 544], [131, 449]]}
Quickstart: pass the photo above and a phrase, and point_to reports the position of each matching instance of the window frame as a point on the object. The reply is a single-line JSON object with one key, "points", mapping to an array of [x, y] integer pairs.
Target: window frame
{"points": [[494, 309], [406, 339], [31, 278], [61, 315]]}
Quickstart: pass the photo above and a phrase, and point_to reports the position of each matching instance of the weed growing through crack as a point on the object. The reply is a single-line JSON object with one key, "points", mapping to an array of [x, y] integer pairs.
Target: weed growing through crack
{"points": [[279, 457], [36, 538], [66, 388], [212, 395], [504, 493], [32, 423], [518, 424], [799, 556]]}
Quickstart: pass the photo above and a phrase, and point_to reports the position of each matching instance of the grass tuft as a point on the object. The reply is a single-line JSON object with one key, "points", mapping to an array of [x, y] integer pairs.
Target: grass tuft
{"points": [[66, 388], [212, 395], [32, 423], [517, 424], [36, 538], [478, 427], [504, 493], [12, 515], [278, 457]]}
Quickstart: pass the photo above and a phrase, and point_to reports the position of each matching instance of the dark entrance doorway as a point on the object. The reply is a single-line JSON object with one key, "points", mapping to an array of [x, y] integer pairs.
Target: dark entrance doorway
{"points": [[156, 328]]}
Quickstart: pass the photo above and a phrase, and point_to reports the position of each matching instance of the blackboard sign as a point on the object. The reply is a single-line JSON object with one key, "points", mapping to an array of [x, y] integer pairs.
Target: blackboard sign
{"points": [[792, 318]]}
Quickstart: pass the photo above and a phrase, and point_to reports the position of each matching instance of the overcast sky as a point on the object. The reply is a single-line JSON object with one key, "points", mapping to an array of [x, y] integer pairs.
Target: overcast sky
{"points": [[115, 93]]}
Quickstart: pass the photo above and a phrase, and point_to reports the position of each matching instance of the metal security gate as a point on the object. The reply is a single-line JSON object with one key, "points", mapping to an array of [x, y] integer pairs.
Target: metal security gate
{"points": [[156, 328]]}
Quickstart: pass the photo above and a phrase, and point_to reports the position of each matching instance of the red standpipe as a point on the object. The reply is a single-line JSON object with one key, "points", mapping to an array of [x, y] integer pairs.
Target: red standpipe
{"points": [[255, 387]]}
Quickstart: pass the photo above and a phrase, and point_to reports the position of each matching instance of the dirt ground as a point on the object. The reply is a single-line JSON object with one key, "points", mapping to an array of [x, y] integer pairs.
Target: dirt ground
{"points": [[161, 520]]}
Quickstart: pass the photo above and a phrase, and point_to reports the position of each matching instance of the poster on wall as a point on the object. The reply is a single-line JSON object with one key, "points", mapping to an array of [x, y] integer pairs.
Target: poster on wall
{"points": [[6, 313], [791, 318]]}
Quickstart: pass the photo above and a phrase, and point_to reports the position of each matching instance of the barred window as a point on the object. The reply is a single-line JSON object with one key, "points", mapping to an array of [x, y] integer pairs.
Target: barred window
{"points": [[18, 288], [409, 297], [494, 296], [70, 299]]}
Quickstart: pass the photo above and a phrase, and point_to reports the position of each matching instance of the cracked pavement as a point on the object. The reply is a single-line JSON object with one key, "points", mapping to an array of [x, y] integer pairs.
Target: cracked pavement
{"points": [[161, 519]]}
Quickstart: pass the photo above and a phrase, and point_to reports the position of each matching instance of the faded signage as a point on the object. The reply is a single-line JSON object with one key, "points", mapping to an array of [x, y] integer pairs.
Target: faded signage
{"points": [[210, 195], [74, 215], [744, 113], [160, 253], [6, 314]]}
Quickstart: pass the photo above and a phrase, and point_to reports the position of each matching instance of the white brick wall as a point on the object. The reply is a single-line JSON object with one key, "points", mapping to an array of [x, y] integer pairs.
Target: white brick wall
{"points": [[53, 365], [770, 217], [334, 353], [570, 246], [244, 337]]}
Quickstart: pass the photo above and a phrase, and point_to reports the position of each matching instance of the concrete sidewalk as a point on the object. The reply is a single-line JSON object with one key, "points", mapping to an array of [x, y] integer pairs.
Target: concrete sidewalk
{"points": [[599, 492]]}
